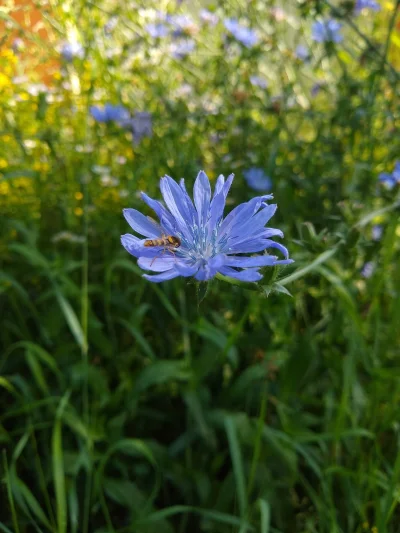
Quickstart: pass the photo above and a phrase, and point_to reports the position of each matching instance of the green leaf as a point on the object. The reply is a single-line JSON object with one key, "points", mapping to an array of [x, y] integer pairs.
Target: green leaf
{"points": [[72, 320], [237, 464], [58, 468], [301, 272], [265, 515], [162, 372]]}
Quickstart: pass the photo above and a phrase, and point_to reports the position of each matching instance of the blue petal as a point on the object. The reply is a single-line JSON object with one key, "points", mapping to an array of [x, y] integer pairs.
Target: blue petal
{"points": [[131, 244], [249, 246], [208, 269], [227, 184], [245, 211], [202, 195], [164, 276], [167, 220], [189, 204], [97, 113], [157, 264], [385, 176], [185, 269], [245, 262], [273, 244], [219, 184], [216, 212], [396, 171], [263, 233], [272, 232], [175, 201], [143, 225], [250, 274], [245, 226]]}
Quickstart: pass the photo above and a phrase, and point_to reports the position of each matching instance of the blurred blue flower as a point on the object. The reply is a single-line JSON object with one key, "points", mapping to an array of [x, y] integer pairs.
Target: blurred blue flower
{"points": [[368, 269], [302, 52], [110, 26], [377, 232], [142, 126], [327, 30], [70, 50], [157, 30], [181, 49], [244, 35], [208, 243], [258, 81], [208, 17], [257, 179], [391, 180], [109, 113], [180, 23], [316, 88], [366, 4]]}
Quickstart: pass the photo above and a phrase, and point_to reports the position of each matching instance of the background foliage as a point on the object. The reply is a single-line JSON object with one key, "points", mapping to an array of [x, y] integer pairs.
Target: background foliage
{"points": [[129, 407]]}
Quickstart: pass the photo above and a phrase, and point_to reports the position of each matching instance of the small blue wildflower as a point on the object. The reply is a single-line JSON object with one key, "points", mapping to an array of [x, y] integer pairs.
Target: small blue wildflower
{"points": [[258, 81], [181, 24], [327, 30], [70, 50], [391, 180], [157, 30], [316, 88], [209, 243], [110, 26], [209, 17], [302, 52], [110, 113], [396, 171], [142, 126], [377, 232], [181, 49], [257, 179], [244, 35], [368, 269], [366, 4]]}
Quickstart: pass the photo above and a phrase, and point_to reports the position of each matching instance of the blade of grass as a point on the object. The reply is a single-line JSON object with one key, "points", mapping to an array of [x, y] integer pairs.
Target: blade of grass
{"points": [[237, 464], [58, 468]]}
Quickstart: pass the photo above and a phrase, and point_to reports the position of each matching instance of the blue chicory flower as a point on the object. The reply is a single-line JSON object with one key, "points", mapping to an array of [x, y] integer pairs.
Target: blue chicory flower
{"points": [[327, 30], [110, 113], [110, 25], [259, 81], [316, 88], [391, 180], [366, 4], [70, 50], [377, 232], [244, 35], [142, 126], [209, 17], [208, 243], [182, 48], [257, 179], [180, 24], [157, 30], [368, 269], [302, 52]]}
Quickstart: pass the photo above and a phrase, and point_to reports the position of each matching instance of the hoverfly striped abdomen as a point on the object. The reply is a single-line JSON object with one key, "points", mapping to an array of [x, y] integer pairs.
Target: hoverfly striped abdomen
{"points": [[168, 241]]}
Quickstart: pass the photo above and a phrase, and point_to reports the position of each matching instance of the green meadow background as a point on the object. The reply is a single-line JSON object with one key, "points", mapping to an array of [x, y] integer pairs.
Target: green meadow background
{"points": [[133, 407]]}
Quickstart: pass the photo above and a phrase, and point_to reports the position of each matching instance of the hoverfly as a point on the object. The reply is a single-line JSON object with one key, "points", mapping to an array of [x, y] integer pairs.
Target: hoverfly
{"points": [[169, 242]]}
